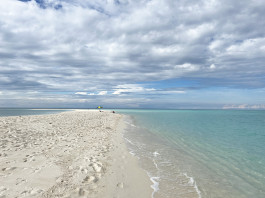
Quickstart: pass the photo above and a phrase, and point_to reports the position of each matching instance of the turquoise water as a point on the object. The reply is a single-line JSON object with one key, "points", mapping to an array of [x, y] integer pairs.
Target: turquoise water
{"points": [[20, 112], [200, 153]]}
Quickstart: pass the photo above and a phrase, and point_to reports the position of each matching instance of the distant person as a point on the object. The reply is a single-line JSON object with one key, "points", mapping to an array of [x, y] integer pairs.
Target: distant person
{"points": [[99, 108]]}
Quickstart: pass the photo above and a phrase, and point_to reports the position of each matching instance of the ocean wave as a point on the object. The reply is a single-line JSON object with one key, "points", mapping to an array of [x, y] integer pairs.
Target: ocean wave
{"points": [[129, 141], [156, 154], [130, 124], [155, 185], [155, 164], [192, 182]]}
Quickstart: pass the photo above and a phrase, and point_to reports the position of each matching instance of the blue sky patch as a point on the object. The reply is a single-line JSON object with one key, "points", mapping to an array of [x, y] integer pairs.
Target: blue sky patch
{"points": [[43, 4]]}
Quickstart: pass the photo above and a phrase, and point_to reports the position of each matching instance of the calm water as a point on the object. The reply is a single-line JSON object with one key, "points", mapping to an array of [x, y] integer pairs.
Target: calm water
{"points": [[200, 153], [19, 112]]}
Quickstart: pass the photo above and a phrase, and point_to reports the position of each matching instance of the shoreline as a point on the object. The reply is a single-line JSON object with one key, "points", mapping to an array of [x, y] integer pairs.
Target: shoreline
{"points": [[78, 153], [132, 181]]}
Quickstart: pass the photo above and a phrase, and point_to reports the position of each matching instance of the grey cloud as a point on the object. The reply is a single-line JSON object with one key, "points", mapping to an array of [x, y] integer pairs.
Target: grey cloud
{"points": [[107, 43], [21, 84]]}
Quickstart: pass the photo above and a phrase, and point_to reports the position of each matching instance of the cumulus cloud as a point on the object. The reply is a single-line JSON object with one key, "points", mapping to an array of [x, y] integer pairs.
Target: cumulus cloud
{"points": [[82, 93], [212, 66], [131, 88], [90, 45], [101, 93]]}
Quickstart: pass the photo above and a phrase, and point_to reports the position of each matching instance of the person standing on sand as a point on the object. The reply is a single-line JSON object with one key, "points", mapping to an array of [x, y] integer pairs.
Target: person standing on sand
{"points": [[99, 107]]}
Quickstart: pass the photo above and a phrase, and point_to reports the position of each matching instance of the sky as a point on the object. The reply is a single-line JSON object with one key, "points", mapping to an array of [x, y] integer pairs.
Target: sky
{"points": [[132, 54]]}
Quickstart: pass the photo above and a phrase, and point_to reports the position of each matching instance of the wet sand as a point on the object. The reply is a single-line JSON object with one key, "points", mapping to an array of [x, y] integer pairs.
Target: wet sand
{"points": [[70, 154]]}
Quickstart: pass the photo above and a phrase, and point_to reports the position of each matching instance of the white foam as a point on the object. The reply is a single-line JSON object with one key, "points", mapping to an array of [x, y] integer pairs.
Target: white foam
{"points": [[130, 124], [192, 182], [133, 125], [155, 164], [155, 185], [129, 141], [127, 122], [156, 154]]}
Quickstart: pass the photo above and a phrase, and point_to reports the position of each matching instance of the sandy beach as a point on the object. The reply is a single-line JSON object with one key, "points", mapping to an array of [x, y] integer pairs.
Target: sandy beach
{"points": [[70, 154]]}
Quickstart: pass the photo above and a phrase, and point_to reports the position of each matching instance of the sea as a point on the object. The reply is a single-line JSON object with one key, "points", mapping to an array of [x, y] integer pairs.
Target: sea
{"points": [[199, 153]]}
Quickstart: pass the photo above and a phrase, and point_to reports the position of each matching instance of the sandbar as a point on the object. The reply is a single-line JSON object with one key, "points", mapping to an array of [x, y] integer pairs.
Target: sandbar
{"points": [[78, 153]]}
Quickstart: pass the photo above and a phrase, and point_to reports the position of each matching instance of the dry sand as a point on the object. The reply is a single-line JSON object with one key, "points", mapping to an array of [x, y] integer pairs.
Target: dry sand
{"points": [[70, 154]]}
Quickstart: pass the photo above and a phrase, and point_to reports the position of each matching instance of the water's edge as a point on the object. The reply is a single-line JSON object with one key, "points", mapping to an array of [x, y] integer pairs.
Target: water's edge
{"points": [[153, 160]]}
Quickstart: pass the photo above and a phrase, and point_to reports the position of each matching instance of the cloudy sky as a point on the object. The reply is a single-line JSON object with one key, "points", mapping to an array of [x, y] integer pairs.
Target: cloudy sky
{"points": [[132, 53]]}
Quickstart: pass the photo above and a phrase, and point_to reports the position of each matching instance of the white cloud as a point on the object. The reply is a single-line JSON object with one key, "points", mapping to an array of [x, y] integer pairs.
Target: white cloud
{"points": [[174, 92], [212, 66], [245, 106], [131, 88], [138, 89], [187, 67], [101, 93], [114, 46], [252, 46], [81, 93]]}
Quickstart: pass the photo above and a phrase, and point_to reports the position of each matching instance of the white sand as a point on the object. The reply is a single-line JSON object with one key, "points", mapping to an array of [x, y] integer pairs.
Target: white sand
{"points": [[70, 154]]}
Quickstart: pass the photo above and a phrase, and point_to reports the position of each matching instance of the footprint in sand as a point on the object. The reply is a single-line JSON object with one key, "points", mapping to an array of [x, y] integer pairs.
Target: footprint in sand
{"points": [[8, 170], [28, 158], [97, 167], [120, 185], [3, 154], [84, 170], [90, 179], [59, 180], [2, 189], [37, 170], [81, 192], [31, 192], [20, 181]]}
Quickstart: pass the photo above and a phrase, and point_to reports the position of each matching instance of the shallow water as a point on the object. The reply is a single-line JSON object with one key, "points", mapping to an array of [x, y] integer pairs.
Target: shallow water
{"points": [[200, 153]]}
